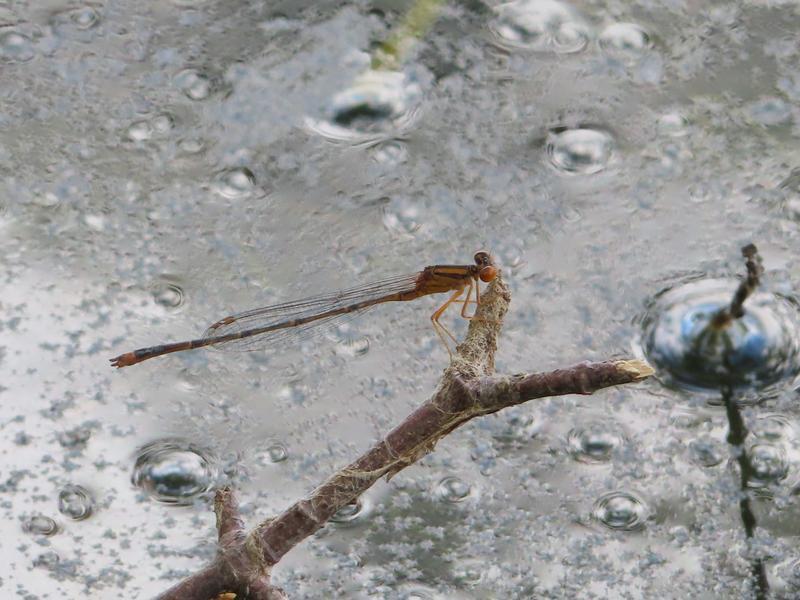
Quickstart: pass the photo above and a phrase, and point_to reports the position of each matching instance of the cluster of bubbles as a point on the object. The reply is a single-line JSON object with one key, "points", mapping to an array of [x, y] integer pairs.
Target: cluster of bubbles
{"points": [[157, 126]]}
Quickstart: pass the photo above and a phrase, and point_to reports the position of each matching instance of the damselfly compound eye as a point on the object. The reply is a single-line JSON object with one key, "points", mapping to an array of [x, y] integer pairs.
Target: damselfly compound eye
{"points": [[488, 274]]}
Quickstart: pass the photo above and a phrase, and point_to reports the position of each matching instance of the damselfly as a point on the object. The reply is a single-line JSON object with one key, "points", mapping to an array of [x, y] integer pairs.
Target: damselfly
{"points": [[262, 327]]}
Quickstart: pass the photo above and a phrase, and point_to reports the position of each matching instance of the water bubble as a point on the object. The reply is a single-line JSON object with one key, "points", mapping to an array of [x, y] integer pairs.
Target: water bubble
{"points": [[401, 216], [540, 25], [139, 131], [277, 452], [620, 510], [195, 84], [773, 428], [391, 152], [75, 502], [706, 452], [770, 112], [673, 124], [238, 182], [594, 442], [378, 106], [754, 351], [580, 151], [40, 525], [168, 293], [453, 489], [625, 38], [174, 471], [16, 47], [350, 513], [768, 464], [84, 17]]}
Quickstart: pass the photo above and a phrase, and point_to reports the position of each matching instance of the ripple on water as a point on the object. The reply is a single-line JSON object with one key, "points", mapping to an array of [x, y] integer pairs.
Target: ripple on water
{"points": [[540, 25], [625, 38], [757, 350], [174, 471], [378, 106], [594, 441], [40, 525], [620, 510], [16, 47], [75, 502], [195, 84], [580, 151]]}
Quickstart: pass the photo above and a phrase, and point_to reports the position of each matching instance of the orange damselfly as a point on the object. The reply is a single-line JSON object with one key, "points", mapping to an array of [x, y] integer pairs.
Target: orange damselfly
{"points": [[261, 327]]}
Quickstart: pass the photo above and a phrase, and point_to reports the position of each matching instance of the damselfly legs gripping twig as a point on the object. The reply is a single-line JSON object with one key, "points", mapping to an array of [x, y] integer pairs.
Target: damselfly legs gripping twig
{"points": [[262, 327]]}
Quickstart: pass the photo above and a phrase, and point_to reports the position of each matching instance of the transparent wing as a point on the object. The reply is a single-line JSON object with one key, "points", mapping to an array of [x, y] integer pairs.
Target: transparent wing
{"points": [[317, 313]]}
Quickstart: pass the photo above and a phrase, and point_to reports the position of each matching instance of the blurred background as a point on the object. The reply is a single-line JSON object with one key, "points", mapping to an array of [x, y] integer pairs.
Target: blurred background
{"points": [[166, 163]]}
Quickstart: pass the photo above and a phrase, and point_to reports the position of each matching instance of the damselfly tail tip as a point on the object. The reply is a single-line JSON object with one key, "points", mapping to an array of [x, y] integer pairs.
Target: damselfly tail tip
{"points": [[124, 360]]}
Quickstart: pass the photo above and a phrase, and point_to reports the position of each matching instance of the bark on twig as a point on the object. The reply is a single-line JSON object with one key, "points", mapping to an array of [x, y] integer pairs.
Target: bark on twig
{"points": [[468, 389], [755, 269]]}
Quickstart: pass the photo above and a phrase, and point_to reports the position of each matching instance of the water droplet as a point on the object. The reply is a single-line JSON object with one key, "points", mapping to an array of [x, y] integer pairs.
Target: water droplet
{"points": [[625, 38], [174, 471], [351, 513], [620, 510], [75, 502], [191, 145], [168, 293], [162, 123], [195, 84], [401, 216], [84, 17], [40, 525], [580, 151], [594, 442], [706, 452], [768, 464], [16, 47], [392, 152], [378, 106], [238, 182], [453, 489], [754, 351], [540, 25]]}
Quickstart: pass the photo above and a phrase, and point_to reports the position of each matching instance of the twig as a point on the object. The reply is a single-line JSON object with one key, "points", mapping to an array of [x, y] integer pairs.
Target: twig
{"points": [[468, 389], [755, 270]]}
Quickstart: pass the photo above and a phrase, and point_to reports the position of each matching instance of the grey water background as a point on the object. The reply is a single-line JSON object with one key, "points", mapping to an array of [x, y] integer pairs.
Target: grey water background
{"points": [[163, 164]]}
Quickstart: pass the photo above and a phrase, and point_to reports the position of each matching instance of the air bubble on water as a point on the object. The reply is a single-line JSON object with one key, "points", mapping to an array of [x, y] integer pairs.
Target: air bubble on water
{"points": [[15, 47], [594, 441], [452, 489], [235, 183], [168, 293], [352, 513], [195, 84], [581, 151], [40, 525], [540, 25], [378, 106], [620, 510], [75, 502], [402, 216], [174, 471], [673, 124], [625, 38], [706, 452]]}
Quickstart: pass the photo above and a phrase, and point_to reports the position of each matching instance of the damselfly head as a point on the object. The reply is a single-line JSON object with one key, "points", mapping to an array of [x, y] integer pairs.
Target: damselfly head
{"points": [[486, 269]]}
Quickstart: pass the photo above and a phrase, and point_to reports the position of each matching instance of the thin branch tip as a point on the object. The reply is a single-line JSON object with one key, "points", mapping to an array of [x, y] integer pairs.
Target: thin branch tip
{"points": [[638, 369]]}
